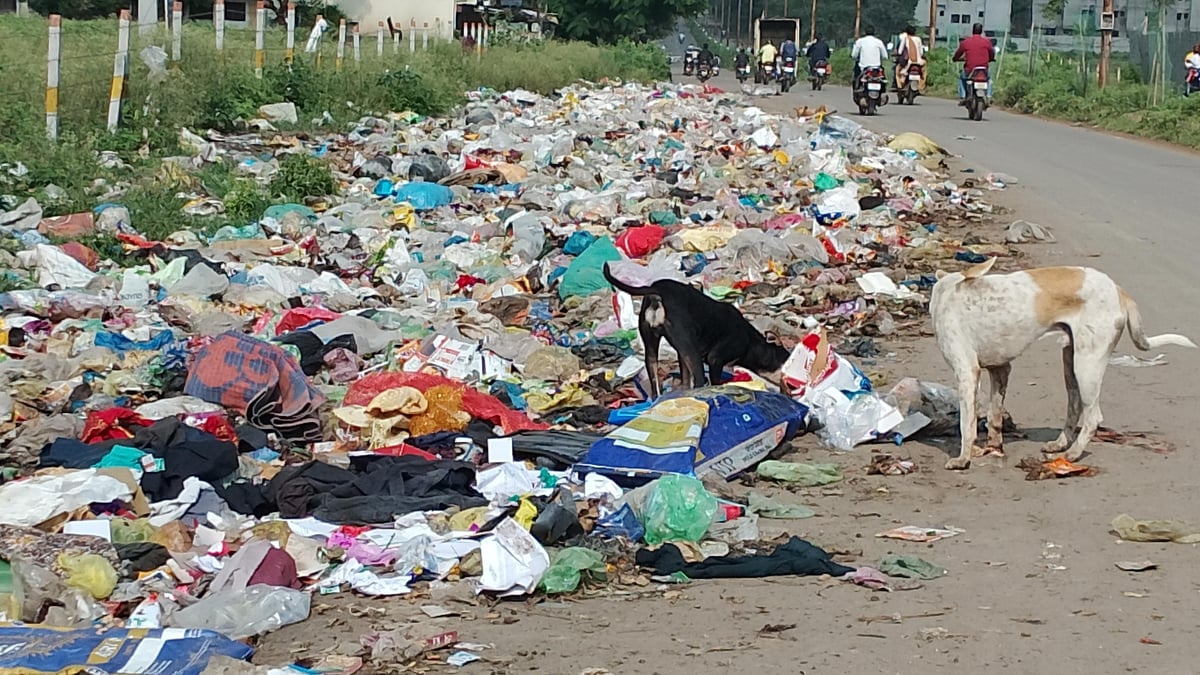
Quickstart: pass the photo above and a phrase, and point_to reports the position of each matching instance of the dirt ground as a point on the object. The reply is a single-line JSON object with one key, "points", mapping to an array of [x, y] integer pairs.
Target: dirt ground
{"points": [[1032, 584]]}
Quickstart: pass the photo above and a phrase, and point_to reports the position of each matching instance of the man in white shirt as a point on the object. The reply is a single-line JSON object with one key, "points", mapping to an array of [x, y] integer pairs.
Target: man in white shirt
{"points": [[869, 52]]}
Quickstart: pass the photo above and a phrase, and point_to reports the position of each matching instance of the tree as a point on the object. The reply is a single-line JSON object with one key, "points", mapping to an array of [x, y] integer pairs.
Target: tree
{"points": [[608, 21]]}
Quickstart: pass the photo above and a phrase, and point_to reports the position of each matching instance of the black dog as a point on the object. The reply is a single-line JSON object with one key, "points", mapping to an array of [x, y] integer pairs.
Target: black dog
{"points": [[702, 330]]}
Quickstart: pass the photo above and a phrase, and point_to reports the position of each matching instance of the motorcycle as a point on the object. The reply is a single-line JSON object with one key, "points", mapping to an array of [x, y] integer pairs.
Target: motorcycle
{"points": [[820, 73], [766, 73], [976, 100], [703, 72], [1192, 84], [787, 75], [868, 95], [743, 73], [909, 89], [716, 66]]}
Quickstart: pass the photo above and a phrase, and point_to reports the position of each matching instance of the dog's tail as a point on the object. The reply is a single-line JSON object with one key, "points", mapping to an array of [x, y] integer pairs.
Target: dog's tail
{"points": [[1133, 322], [636, 291]]}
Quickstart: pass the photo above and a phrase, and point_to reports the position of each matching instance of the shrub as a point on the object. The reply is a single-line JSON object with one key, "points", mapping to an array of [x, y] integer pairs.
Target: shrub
{"points": [[303, 176]]}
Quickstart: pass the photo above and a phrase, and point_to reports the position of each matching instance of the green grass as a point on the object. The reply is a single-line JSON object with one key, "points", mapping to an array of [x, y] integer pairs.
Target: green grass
{"points": [[211, 89]]}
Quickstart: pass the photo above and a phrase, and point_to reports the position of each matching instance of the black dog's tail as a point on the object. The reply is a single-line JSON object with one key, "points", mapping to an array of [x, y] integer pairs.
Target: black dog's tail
{"points": [[622, 286]]}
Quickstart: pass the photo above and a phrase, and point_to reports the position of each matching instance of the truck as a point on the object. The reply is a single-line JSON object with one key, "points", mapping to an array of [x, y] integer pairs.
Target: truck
{"points": [[775, 31]]}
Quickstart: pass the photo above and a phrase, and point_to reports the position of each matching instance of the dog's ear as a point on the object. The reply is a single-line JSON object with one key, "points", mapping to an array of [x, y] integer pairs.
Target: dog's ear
{"points": [[976, 271], [940, 274], [772, 338]]}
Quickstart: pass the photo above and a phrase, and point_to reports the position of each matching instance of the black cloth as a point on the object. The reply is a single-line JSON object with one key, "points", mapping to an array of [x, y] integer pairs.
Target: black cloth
{"points": [[564, 447], [741, 60], [185, 451], [313, 349], [795, 557], [373, 490], [143, 556]]}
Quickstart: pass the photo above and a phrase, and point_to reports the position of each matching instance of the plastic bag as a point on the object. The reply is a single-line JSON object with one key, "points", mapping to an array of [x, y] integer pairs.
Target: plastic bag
{"points": [[585, 275], [567, 568], [155, 59], [125, 531], [89, 572], [1154, 530], [679, 509], [244, 613], [425, 196], [429, 168], [799, 474]]}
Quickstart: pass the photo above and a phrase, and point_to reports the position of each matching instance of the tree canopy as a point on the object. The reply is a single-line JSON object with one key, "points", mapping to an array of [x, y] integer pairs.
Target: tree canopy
{"points": [[607, 21]]}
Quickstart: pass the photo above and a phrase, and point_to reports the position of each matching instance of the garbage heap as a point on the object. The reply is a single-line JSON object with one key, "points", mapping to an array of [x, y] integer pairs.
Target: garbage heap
{"points": [[424, 379]]}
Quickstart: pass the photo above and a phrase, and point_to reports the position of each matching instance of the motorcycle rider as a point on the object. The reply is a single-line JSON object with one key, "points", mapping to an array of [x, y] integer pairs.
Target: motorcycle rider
{"points": [[742, 59], [705, 58], [975, 52], [818, 51], [1192, 63], [868, 52], [909, 51], [766, 55]]}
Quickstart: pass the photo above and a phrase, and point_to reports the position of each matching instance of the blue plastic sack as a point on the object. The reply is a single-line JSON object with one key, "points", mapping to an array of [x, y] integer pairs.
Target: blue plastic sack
{"points": [[742, 426], [36, 649], [121, 344], [425, 196]]}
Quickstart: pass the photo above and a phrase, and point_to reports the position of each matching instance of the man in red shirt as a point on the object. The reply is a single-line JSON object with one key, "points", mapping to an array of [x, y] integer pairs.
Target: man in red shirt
{"points": [[975, 52]]}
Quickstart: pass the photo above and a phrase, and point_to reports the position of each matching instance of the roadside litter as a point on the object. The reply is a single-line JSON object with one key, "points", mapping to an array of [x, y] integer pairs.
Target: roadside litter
{"points": [[424, 378]]}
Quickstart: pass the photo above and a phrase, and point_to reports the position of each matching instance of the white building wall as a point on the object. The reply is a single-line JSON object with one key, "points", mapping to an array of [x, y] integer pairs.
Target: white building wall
{"points": [[436, 15]]}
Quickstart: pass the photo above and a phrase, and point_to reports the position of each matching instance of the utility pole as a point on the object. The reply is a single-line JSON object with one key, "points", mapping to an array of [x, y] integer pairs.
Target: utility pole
{"points": [[932, 22], [1107, 24], [858, 19], [812, 23], [785, 8], [737, 21], [750, 22]]}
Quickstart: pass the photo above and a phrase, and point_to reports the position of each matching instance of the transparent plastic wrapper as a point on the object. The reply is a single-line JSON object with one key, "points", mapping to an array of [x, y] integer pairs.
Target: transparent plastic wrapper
{"points": [[678, 509], [35, 587], [126, 531], [567, 569], [529, 236], [247, 612], [156, 61], [863, 417]]}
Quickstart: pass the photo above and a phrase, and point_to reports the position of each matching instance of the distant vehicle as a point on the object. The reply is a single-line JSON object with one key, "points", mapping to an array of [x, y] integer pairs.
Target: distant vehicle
{"points": [[775, 31], [820, 74], [868, 94], [976, 90], [908, 90]]}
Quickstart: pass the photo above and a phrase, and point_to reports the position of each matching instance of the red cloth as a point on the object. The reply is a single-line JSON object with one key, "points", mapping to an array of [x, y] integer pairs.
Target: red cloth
{"points": [[641, 241], [111, 425], [84, 255], [475, 402], [302, 316], [976, 52]]}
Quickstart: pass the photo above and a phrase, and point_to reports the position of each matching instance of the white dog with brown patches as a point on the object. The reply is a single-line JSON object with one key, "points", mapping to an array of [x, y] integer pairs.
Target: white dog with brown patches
{"points": [[984, 322]]}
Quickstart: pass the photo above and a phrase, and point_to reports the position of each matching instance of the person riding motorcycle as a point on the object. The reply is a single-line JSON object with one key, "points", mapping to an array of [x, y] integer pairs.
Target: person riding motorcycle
{"points": [[974, 52], [766, 56], [868, 52], [909, 52], [704, 58], [818, 51], [1191, 62], [742, 59]]}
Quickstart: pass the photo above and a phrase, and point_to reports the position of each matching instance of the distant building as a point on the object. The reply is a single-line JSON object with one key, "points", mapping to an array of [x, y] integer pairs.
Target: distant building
{"points": [[436, 16], [955, 17]]}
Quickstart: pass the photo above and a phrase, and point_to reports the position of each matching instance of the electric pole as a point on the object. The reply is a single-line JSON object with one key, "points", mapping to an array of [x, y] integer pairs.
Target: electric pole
{"points": [[1107, 24], [737, 21], [785, 8], [750, 22], [812, 23], [858, 19], [932, 22]]}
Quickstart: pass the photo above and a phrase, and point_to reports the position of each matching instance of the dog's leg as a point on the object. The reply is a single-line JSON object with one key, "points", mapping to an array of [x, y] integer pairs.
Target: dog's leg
{"points": [[652, 366], [716, 367], [1090, 364], [1067, 437], [998, 381], [968, 388]]}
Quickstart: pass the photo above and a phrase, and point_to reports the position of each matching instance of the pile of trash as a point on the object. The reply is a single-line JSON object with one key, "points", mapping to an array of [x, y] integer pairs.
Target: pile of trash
{"points": [[425, 378]]}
